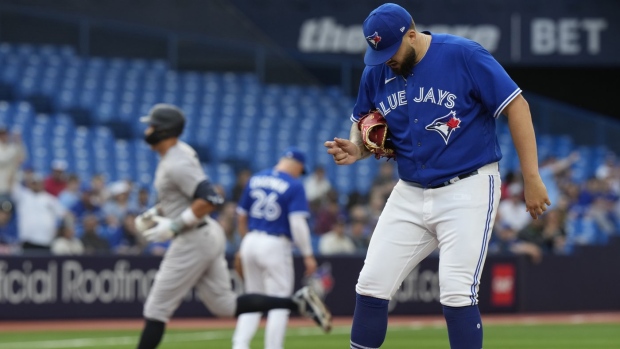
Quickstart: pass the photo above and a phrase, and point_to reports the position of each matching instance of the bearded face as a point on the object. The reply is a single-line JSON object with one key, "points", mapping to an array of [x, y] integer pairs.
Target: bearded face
{"points": [[405, 67]]}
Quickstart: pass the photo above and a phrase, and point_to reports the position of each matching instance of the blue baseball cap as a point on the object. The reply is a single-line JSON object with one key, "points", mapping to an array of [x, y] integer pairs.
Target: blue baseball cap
{"points": [[296, 154], [384, 29]]}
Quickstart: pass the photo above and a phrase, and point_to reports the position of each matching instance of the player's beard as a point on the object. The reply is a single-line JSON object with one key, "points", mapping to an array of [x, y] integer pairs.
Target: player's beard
{"points": [[406, 67]]}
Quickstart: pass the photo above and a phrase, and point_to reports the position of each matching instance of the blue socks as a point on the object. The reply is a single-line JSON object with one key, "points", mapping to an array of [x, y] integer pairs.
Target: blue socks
{"points": [[369, 322], [464, 327], [371, 317]]}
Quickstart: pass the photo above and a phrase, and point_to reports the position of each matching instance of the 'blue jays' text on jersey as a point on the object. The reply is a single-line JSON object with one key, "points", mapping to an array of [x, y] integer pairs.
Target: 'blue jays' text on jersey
{"points": [[269, 197], [442, 116]]}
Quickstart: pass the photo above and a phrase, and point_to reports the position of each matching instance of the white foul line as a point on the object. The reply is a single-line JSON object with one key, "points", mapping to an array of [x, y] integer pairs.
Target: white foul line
{"points": [[111, 341], [126, 340]]}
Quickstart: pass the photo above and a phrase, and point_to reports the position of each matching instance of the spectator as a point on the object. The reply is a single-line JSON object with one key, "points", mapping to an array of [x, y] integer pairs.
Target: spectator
{"points": [[336, 241], [360, 230], [111, 230], [554, 232], [26, 175], [315, 207], [327, 215], [550, 171], [118, 203], [547, 232], [8, 228], [98, 189], [570, 196], [533, 232], [242, 179], [359, 212], [385, 180], [142, 202], [513, 210], [605, 170], [226, 218], [88, 204], [582, 230], [12, 153], [65, 243], [506, 241], [317, 185], [511, 177], [71, 194], [56, 182], [93, 243], [602, 212], [360, 235], [131, 241], [378, 198], [613, 180], [589, 193], [38, 215], [356, 198]]}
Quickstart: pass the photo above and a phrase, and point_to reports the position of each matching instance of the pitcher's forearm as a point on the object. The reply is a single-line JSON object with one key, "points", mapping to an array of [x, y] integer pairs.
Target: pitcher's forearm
{"points": [[525, 143], [356, 138], [522, 132]]}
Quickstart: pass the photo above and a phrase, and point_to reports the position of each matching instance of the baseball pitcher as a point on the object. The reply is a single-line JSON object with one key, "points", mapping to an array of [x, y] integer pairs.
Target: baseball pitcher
{"points": [[196, 255], [272, 211], [438, 96]]}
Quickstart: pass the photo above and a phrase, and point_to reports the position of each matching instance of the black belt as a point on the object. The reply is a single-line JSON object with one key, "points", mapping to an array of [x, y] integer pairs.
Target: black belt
{"points": [[446, 183], [454, 180]]}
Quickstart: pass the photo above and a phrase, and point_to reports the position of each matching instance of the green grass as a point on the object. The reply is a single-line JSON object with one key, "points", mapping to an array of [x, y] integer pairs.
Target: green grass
{"points": [[582, 336]]}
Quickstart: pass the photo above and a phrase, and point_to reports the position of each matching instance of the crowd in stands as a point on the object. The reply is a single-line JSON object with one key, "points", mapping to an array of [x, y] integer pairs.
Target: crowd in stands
{"points": [[62, 214]]}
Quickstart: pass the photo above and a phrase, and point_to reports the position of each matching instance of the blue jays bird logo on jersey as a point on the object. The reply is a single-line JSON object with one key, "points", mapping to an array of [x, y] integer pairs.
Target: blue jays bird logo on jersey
{"points": [[374, 39], [445, 125]]}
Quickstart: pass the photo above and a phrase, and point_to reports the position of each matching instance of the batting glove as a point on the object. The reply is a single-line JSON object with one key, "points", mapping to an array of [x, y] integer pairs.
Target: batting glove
{"points": [[165, 230], [145, 220]]}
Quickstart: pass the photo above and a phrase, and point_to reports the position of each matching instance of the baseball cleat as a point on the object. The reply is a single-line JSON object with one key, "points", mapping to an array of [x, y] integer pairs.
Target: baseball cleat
{"points": [[310, 305]]}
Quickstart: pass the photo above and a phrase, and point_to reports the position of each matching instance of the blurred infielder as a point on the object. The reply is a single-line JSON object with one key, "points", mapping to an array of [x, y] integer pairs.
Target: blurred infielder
{"points": [[196, 255], [272, 213], [440, 95]]}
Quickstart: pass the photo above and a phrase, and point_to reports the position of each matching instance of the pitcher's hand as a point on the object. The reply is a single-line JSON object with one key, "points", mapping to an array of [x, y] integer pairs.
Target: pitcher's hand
{"points": [[536, 197], [310, 265], [343, 151]]}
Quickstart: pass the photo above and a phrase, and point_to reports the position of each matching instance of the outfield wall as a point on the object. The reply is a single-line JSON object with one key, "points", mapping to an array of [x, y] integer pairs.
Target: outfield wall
{"points": [[116, 287]]}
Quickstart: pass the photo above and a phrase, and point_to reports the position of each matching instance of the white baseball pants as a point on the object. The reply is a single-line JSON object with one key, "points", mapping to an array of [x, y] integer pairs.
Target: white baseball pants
{"points": [[268, 269], [457, 218], [194, 258]]}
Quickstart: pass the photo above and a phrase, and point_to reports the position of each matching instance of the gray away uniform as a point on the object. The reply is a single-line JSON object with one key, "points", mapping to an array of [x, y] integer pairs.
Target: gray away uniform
{"points": [[195, 257]]}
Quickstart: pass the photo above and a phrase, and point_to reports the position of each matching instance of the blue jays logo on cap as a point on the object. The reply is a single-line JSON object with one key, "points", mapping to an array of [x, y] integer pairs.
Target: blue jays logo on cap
{"points": [[384, 29], [374, 39]]}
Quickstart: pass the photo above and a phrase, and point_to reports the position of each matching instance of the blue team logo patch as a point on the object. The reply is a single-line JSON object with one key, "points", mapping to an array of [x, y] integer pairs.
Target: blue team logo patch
{"points": [[374, 39], [445, 125]]}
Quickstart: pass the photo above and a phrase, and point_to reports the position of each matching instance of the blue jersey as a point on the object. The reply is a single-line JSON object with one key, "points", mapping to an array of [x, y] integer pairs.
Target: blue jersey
{"points": [[442, 116], [269, 198]]}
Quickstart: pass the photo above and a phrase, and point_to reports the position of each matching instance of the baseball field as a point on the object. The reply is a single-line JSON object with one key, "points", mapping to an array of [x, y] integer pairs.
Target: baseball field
{"points": [[583, 331]]}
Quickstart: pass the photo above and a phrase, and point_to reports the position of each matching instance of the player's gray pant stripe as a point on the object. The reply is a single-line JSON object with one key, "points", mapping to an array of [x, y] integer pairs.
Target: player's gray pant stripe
{"points": [[484, 239], [357, 346]]}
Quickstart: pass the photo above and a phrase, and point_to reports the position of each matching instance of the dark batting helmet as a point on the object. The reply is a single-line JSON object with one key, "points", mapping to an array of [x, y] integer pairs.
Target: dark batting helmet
{"points": [[167, 121]]}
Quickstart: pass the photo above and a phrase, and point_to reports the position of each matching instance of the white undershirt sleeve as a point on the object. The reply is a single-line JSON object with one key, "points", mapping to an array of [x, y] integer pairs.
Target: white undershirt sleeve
{"points": [[301, 232]]}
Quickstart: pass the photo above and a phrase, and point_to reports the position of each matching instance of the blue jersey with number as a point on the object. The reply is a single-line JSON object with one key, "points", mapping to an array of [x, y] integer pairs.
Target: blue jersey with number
{"points": [[442, 116], [268, 199]]}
